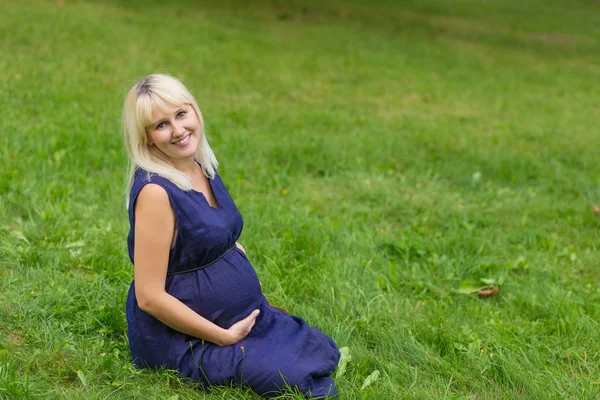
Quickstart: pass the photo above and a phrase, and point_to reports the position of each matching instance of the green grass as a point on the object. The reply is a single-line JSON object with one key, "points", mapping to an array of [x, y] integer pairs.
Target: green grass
{"points": [[381, 155]]}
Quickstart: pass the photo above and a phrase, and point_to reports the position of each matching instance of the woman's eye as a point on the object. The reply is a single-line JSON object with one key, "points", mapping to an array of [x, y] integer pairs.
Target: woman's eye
{"points": [[181, 114], [160, 125]]}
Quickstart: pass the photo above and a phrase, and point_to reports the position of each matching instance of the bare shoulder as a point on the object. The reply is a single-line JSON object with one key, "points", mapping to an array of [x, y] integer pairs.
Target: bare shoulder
{"points": [[153, 200]]}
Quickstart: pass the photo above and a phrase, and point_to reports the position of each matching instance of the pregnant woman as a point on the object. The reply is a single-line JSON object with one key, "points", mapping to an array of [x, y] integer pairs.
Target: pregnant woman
{"points": [[196, 304]]}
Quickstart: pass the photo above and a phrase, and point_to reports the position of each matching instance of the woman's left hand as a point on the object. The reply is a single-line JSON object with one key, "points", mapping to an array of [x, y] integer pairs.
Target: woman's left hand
{"points": [[239, 246]]}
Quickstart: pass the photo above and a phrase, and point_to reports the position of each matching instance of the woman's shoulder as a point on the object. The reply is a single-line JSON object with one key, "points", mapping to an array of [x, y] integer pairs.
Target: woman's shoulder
{"points": [[153, 195], [151, 184]]}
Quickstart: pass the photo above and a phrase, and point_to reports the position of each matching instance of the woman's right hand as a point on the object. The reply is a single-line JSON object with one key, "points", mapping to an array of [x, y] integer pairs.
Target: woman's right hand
{"points": [[241, 329]]}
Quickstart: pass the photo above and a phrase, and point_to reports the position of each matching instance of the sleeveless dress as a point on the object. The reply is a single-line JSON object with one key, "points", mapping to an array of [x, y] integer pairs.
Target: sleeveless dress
{"points": [[209, 274]]}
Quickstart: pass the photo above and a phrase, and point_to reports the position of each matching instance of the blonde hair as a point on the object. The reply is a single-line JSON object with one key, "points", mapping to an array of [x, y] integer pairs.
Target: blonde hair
{"points": [[159, 91]]}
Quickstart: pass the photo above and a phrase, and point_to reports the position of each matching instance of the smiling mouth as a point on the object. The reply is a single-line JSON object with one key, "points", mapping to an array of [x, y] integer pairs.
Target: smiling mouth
{"points": [[183, 141]]}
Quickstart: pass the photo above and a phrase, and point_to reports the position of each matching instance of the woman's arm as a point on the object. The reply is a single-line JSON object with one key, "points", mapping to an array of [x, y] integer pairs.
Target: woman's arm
{"points": [[154, 229]]}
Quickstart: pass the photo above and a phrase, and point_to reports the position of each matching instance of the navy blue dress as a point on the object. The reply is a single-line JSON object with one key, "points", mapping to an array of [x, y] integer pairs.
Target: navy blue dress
{"points": [[209, 274]]}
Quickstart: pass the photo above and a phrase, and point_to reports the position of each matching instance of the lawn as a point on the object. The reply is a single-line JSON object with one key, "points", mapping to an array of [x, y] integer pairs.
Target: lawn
{"points": [[387, 158]]}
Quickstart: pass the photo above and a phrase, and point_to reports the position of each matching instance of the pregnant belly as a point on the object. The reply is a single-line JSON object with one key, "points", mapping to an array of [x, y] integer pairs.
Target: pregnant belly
{"points": [[223, 293]]}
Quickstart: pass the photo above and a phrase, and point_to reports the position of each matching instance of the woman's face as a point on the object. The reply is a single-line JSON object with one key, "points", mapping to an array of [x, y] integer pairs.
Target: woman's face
{"points": [[175, 131]]}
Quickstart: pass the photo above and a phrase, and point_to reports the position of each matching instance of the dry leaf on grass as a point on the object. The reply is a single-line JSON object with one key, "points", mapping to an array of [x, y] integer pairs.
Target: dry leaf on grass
{"points": [[488, 292]]}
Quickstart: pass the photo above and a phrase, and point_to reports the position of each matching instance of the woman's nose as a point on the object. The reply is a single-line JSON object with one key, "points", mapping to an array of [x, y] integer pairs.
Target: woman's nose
{"points": [[178, 129]]}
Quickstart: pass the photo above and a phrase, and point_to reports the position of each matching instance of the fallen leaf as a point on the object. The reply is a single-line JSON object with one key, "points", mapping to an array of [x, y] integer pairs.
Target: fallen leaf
{"points": [[488, 281], [344, 360], [468, 287], [488, 292], [82, 378], [370, 379]]}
